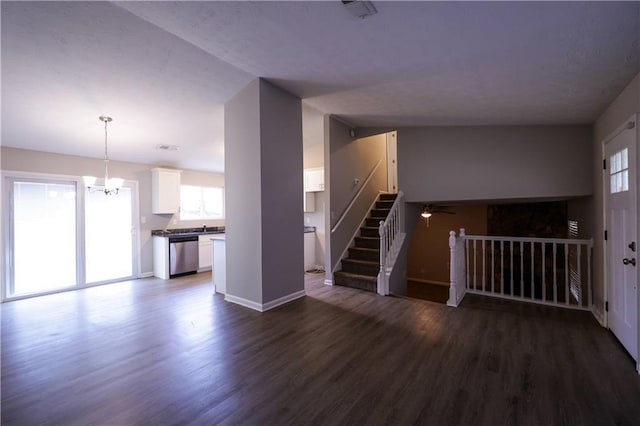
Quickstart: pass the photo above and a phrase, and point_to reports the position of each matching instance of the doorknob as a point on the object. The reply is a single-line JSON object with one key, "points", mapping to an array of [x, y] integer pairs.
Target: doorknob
{"points": [[629, 261], [632, 246]]}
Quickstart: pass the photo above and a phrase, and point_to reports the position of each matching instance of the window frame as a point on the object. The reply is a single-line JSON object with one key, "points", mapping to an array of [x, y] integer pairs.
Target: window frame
{"points": [[202, 204]]}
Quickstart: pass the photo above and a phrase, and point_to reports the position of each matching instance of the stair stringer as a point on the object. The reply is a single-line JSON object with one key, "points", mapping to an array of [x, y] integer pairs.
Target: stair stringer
{"points": [[393, 280]]}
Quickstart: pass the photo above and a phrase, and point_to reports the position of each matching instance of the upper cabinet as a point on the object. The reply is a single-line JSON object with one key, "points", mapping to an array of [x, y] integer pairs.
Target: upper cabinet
{"points": [[314, 179], [165, 191]]}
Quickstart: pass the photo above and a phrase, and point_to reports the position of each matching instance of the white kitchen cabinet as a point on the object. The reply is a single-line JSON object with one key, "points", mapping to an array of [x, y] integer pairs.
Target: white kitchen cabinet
{"points": [[309, 199], [314, 179], [309, 250], [205, 245], [165, 191]]}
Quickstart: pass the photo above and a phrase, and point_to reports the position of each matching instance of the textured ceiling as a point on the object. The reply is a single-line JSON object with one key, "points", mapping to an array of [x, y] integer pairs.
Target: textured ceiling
{"points": [[163, 70]]}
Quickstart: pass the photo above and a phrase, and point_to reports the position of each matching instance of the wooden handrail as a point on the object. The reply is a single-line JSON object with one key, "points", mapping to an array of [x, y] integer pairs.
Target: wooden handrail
{"points": [[355, 197]]}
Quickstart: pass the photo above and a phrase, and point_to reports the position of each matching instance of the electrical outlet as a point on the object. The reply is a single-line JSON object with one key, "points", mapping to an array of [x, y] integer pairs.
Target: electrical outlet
{"points": [[143, 219]]}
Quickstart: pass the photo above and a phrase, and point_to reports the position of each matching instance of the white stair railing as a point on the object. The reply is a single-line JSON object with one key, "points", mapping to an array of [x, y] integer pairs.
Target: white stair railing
{"points": [[390, 229], [549, 271]]}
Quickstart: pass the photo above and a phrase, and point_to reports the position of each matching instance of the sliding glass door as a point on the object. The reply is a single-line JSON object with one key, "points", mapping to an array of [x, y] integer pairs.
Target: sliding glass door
{"points": [[61, 235], [108, 236], [44, 235]]}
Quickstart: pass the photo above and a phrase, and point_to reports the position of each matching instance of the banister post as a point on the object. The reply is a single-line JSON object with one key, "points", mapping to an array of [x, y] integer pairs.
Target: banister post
{"points": [[453, 298], [383, 256]]}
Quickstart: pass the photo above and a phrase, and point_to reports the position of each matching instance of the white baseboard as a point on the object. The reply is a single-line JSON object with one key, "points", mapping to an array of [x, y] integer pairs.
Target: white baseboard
{"points": [[328, 282], [262, 307], [243, 302], [145, 275], [282, 300]]}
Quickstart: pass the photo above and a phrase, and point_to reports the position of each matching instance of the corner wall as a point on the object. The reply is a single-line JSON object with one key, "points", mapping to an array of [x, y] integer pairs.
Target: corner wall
{"points": [[263, 164]]}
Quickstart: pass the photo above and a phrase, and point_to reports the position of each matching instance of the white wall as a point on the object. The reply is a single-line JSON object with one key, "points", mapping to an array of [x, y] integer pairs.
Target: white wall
{"points": [[14, 159], [494, 162], [626, 104]]}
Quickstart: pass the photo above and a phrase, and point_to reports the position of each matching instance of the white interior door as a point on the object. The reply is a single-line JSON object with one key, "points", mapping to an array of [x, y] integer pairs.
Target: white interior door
{"points": [[622, 221]]}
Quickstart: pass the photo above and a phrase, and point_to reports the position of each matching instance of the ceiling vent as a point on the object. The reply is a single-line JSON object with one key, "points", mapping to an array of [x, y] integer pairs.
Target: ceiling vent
{"points": [[167, 147], [360, 8]]}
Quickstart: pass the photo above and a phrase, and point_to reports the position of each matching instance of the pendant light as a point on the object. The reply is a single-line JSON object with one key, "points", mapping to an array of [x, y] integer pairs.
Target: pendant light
{"points": [[111, 185]]}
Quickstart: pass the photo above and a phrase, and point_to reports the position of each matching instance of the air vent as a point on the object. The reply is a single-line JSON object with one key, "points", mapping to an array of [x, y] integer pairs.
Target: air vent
{"points": [[360, 8], [167, 147]]}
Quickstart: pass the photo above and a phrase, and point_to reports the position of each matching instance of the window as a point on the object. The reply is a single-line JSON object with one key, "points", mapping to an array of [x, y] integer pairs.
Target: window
{"points": [[619, 171], [201, 202]]}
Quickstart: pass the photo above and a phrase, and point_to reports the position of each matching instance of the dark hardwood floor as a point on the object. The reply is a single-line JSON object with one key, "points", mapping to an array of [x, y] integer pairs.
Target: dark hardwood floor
{"points": [[169, 352]]}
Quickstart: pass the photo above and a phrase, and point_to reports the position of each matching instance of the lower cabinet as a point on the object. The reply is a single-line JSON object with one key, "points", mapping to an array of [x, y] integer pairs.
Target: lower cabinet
{"points": [[205, 246]]}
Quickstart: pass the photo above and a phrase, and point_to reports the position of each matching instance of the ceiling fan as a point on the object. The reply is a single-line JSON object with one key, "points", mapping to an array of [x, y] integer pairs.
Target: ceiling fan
{"points": [[430, 209]]}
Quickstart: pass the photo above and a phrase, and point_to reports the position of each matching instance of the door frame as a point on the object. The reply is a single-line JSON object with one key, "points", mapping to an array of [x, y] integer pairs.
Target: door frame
{"points": [[634, 118], [392, 162]]}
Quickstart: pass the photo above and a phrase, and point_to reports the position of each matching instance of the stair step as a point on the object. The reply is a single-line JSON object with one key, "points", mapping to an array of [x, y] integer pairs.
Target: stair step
{"points": [[373, 222], [370, 231], [361, 267], [361, 253], [388, 197], [384, 205], [383, 213], [368, 242], [361, 282]]}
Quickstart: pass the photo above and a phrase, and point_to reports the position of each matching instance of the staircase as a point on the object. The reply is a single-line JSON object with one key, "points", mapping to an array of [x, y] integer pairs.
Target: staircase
{"points": [[360, 269]]}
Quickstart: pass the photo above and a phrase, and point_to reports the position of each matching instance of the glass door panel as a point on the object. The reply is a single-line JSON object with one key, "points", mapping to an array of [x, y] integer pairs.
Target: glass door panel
{"points": [[108, 236], [44, 237]]}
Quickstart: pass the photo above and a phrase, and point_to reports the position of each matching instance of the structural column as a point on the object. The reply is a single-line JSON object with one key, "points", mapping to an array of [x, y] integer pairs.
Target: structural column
{"points": [[263, 197]]}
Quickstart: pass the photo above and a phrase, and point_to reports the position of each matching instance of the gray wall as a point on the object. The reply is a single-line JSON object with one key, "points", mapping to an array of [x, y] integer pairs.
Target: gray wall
{"points": [[263, 165], [626, 104], [14, 159], [494, 162], [352, 159], [282, 188]]}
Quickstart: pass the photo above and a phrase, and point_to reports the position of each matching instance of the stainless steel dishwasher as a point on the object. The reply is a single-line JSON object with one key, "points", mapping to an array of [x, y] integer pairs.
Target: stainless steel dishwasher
{"points": [[183, 255]]}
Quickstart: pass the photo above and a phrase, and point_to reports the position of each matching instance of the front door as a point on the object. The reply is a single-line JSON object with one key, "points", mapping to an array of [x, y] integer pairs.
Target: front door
{"points": [[622, 220]]}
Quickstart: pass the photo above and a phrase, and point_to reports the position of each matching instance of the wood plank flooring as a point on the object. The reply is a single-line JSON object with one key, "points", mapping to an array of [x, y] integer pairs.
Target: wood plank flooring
{"points": [[169, 352]]}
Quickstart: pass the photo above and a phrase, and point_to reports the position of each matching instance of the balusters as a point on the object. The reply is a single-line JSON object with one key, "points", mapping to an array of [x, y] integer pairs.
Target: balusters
{"points": [[555, 273], [484, 249], [566, 274], [544, 273]]}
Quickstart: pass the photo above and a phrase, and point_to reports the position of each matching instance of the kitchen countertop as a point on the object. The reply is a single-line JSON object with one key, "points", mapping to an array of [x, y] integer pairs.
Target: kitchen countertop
{"points": [[184, 232]]}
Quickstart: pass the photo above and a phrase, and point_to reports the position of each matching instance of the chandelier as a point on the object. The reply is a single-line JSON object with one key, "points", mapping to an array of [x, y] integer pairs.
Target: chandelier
{"points": [[111, 185]]}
